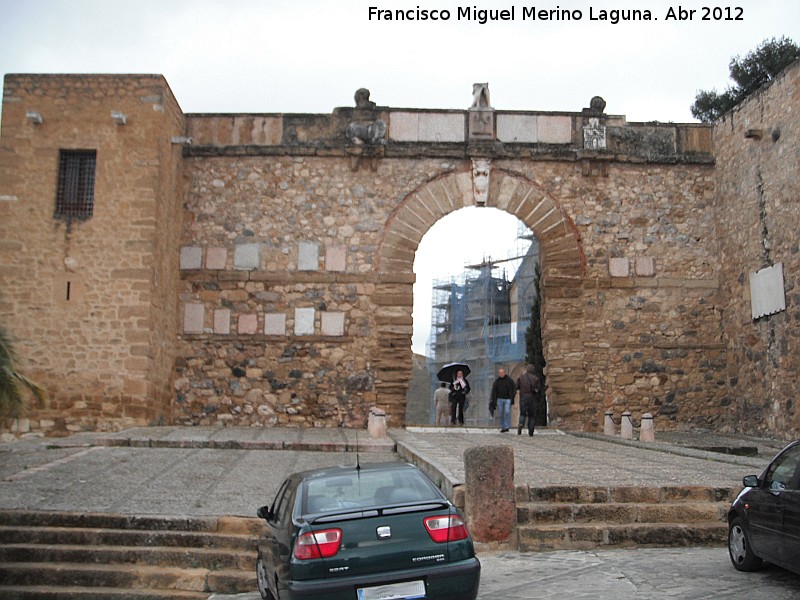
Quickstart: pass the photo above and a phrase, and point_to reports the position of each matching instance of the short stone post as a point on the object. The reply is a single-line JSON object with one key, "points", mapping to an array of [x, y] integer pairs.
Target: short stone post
{"points": [[377, 423], [608, 426], [626, 428], [647, 433], [490, 500]]}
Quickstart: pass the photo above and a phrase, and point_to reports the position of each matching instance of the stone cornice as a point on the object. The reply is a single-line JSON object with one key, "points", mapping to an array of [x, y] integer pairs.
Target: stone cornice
{"points": [[421, 150], [260, 338], [295, 277]]}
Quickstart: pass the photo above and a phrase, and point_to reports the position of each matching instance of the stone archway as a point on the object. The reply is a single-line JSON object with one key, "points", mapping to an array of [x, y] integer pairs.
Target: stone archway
{"points": [[563, 271]]}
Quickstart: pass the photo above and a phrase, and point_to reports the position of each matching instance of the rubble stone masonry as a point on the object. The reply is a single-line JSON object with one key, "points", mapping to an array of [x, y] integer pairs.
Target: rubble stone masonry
{"points": [[258, 269], [758, 217]]}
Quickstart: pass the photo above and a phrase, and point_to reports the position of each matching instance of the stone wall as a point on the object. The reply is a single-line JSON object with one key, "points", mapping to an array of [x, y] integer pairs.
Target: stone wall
{"points": [[270, 241], [758, 219], [92, 305], [258, 269], [279, 256], [642, 322]]}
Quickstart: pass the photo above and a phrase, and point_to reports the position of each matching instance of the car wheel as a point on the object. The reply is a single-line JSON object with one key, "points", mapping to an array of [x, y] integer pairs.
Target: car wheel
{"points": [[740, 549], [263, 577]]}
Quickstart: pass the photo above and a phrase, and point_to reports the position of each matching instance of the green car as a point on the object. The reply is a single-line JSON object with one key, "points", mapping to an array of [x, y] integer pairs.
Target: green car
{"points": [[379, 531]]}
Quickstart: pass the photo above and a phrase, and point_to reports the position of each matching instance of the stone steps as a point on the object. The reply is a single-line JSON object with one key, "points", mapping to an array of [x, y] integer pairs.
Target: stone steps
{"points": [[206, 558], [622, 513], [120, 537], [9, 592], [596, 535], [232, 525], [75, 555], [579, 518]]}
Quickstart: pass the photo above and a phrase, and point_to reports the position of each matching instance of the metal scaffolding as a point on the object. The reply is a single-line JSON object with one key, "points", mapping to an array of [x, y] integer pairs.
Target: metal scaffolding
{"points": [[480, 317]]}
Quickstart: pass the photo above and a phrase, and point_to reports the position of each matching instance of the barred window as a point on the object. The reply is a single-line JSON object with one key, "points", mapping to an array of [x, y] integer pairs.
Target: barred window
{"points": [[75, 193]]}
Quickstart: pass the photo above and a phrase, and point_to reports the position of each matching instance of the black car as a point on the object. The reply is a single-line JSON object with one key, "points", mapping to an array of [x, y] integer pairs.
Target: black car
{"points": [[380, 531], [764, 520]]}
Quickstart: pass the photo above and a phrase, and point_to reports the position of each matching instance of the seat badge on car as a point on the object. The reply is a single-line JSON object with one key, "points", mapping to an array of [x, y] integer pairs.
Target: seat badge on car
{"points": [[384, 533]]}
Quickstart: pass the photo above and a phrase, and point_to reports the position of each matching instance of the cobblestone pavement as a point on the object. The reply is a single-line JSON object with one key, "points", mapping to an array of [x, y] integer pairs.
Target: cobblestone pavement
{"points": [[630, 574], [647, 573]]}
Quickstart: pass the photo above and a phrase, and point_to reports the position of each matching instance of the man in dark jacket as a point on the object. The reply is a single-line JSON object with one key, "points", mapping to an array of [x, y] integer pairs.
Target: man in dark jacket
{"points": [[530, 399], [502, 398]]}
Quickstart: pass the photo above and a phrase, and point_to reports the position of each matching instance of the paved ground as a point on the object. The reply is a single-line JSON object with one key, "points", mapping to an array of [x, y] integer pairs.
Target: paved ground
{"points": [[552, 457], [633, 574], [170, 471], [211, 471]]}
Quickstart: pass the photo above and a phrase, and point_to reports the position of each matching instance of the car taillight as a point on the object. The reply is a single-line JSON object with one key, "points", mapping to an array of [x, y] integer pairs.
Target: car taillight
{"points": [[447, 528], [318, 544]]}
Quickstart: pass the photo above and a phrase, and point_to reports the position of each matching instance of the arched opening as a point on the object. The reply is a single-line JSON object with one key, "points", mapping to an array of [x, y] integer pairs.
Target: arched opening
{"points": [[475, 287], [563, 268]]}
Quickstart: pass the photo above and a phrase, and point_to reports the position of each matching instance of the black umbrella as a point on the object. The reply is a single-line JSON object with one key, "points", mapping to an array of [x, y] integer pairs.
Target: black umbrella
{"points": [[448, 372]]}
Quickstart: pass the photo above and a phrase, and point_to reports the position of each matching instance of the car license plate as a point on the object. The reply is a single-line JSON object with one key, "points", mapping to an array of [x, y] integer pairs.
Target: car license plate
{"points": [[393, 591]]}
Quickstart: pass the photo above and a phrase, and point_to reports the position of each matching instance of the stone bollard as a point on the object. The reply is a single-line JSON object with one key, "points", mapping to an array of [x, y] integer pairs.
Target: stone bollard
{"points": [[608, 426], [647, 433], [21, 426], [377, 423], [490, 501], [626, 428]]}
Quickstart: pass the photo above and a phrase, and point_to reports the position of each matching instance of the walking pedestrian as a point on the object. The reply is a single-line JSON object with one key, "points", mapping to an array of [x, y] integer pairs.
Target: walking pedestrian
{"points": [[441, 402], [502, 398], [530, 399]]}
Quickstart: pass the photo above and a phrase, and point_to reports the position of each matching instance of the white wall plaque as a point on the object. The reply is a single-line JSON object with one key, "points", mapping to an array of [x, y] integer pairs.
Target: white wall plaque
{"points": [[304, 321], [767, 295]]}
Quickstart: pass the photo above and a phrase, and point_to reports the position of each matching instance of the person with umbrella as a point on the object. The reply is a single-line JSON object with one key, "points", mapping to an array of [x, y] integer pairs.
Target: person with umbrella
{"points": [[458, 396], [456, 375]]}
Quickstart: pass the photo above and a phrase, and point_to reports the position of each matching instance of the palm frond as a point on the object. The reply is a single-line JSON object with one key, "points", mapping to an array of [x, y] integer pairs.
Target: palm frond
{"points": [[7, 354], [34, 388], [13, 403]]}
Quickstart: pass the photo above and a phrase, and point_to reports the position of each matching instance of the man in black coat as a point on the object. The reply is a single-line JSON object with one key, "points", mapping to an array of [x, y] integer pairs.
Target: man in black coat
{"points": [[530, 399]]}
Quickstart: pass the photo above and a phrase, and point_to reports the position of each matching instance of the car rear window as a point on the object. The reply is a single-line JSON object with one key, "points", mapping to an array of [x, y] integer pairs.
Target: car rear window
{"points": [[366, 489]]}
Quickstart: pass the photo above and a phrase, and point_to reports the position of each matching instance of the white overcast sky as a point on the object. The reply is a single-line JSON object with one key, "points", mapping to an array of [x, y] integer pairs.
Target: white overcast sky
{"points": [[311, 55]]}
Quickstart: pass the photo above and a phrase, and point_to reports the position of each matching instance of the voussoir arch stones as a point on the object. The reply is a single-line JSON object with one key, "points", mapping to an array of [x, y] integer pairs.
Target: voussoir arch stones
{"points": [[563, 269], [561, 250]]}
